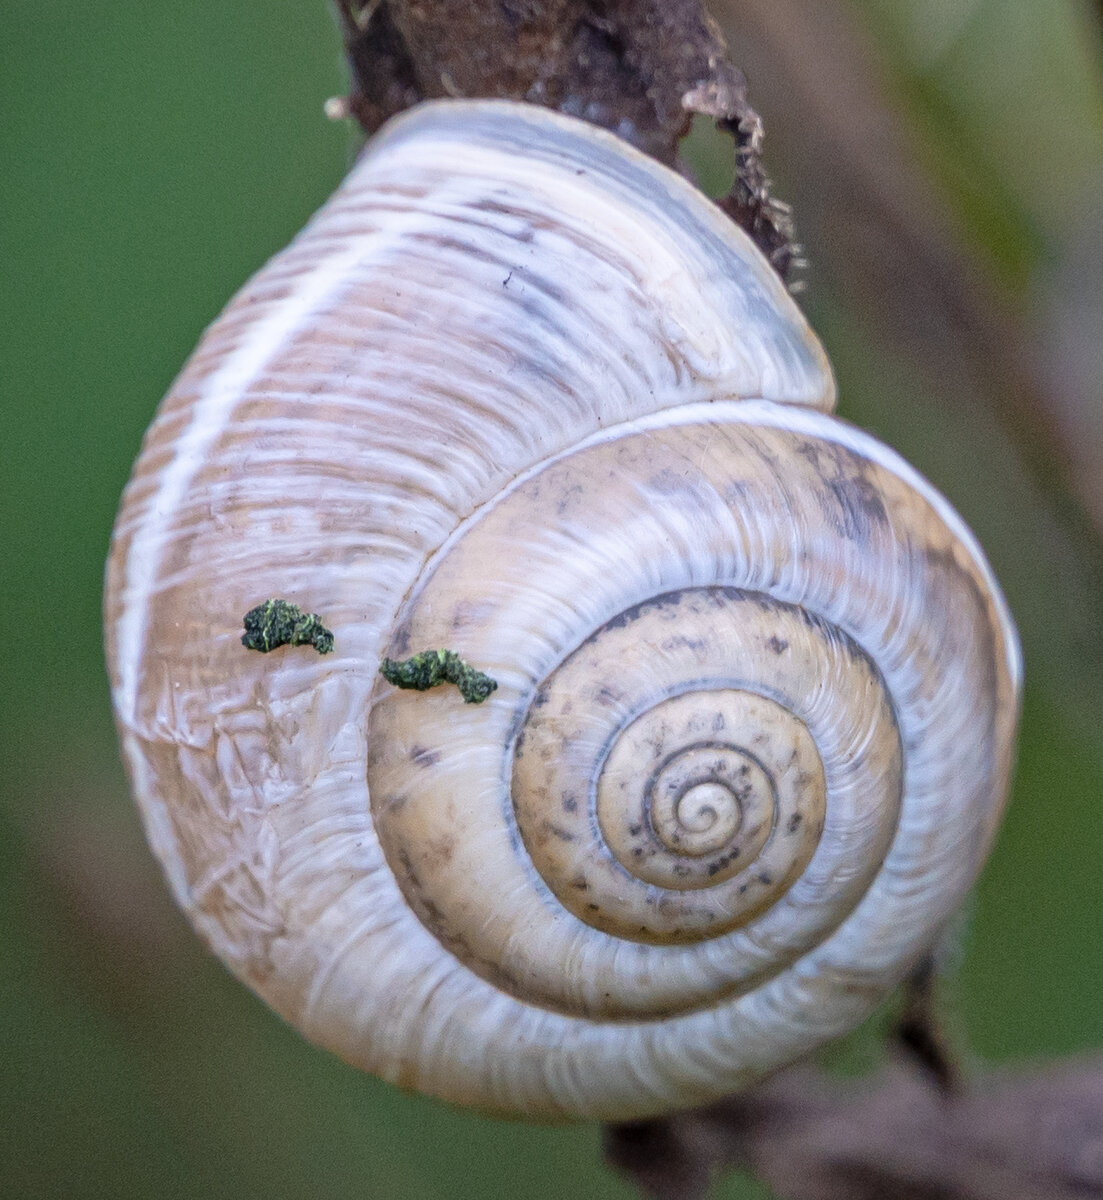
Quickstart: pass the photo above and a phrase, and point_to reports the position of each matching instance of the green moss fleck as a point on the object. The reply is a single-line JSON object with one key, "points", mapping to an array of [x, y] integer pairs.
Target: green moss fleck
{"points": [[432, 667], [281, 623]]}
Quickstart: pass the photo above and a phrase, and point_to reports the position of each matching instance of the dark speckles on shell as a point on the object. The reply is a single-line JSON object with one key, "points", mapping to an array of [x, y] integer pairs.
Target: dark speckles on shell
{"points": [[852, 498], [863, 511], [557, 831], [424, 757]]}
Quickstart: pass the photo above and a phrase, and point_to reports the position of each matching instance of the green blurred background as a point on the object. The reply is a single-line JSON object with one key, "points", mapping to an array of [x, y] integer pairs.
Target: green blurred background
{"points": [[945, 162]]}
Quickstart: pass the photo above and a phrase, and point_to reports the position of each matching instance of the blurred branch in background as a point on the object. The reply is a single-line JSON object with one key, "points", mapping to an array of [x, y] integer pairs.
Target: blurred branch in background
{"points": [[1000, 318], [1014, 1136], [881, 224]]}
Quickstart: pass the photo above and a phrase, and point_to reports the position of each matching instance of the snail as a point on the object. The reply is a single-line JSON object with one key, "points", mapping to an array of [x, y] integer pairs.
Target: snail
{"points": [[520, 392]]}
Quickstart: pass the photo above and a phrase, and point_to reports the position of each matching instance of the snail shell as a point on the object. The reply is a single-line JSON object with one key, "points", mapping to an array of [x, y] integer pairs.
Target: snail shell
{"points": [[521, 392]]}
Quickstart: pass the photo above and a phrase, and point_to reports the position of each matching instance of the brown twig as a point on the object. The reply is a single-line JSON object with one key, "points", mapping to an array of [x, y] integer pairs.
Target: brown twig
{"points": [[641, 68]]}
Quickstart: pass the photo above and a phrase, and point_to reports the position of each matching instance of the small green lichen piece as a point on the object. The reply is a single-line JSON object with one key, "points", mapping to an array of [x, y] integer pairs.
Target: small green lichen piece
{"points": [[432, 667], [281, 623]]}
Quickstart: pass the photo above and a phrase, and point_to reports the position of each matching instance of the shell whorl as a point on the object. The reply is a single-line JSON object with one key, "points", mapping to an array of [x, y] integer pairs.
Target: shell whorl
{"points": [[520, 392]]}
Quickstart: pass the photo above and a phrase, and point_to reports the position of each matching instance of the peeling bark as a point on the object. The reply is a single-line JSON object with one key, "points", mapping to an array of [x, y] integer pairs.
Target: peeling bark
{"points": [[641, 68]]}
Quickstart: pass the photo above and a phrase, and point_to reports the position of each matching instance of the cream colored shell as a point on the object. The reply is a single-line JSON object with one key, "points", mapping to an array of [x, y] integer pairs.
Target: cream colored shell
{"points": [[520, 392]]}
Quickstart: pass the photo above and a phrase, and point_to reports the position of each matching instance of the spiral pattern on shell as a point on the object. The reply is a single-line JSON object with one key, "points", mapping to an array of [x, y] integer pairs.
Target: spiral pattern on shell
{"points": [[520, 392]]}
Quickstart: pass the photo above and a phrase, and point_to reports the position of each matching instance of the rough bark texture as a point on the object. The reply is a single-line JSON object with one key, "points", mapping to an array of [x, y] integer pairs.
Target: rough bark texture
{"points": [[641, 68]]}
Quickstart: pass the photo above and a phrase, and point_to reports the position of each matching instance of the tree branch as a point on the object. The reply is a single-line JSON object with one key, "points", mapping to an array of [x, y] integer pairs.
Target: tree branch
{"points": [[1012, 1136], [641, 68]]}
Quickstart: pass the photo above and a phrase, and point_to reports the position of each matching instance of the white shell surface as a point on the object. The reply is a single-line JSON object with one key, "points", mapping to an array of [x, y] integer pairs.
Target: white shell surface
{"points": [[514, 382]]}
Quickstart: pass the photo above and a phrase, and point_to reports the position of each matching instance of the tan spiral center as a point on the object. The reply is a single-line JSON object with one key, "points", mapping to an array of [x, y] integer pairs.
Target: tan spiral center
{"points": [[701, 817], [674, 823], [710, 804]]}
